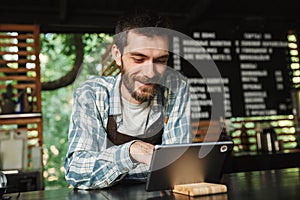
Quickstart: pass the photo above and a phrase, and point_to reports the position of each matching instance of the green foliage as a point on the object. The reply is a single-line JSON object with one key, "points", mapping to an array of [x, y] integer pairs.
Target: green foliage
{"points": [[57, 56], [51, 42], [93, 41], [56, 112]]}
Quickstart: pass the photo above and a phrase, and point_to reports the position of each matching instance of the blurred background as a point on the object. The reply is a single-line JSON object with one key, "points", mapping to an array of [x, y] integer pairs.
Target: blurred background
{"points": [[70, 41]]}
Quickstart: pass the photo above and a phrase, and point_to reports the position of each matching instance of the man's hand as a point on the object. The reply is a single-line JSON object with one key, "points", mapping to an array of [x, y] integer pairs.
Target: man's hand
{"points": [[141, 151]]}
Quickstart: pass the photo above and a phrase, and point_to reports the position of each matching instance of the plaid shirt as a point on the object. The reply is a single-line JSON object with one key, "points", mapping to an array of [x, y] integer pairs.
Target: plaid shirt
{"points": [[90, 161]]}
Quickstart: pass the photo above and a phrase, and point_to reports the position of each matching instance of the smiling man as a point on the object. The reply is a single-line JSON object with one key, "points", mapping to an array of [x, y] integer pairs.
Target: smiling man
{"points": [[116, 121]]}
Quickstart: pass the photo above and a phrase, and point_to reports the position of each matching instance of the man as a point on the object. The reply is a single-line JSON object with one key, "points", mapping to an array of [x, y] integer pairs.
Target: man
{"points": [[116, 120]]}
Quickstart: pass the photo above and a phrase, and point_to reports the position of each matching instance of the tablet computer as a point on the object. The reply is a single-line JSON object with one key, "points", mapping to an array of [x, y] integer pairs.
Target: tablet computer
{"points": [[187, 163]]}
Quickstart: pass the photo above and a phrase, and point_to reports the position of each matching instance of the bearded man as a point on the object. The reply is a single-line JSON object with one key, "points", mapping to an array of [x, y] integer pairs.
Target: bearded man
{"points": [[117, 120]]}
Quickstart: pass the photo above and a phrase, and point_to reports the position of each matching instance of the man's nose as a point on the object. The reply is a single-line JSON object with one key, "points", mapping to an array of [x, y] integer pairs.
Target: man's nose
{"points": [[149, 70]]}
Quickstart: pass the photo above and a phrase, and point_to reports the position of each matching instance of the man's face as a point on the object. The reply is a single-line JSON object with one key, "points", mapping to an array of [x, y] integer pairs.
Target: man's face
{"points": [[143, 62]]}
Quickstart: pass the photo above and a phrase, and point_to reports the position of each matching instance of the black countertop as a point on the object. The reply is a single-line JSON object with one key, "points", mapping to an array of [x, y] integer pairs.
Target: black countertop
{"points": [[278, 184]]}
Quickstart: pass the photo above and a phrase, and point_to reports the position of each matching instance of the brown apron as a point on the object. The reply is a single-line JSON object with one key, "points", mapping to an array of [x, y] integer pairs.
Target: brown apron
{"points": [[118, 138]]}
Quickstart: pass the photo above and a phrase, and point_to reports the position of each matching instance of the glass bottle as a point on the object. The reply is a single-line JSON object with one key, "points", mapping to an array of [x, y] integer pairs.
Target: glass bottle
{"points": [[244, 138], [258, 132]]}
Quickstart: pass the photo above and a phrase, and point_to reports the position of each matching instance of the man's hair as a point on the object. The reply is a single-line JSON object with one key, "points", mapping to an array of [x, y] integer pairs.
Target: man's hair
{"points": [[137, 20]]}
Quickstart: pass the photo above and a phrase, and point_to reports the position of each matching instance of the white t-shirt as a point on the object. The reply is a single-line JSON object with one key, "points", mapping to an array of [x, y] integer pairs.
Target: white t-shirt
{"points": [[135, 118]]}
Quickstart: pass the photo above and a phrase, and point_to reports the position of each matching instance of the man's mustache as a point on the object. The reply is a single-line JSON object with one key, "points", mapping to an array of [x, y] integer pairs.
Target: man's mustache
{"points": [[146, 80]]}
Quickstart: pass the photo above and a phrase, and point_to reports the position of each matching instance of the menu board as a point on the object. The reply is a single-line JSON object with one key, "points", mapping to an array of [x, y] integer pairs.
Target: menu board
{"points": [[253, 67]]}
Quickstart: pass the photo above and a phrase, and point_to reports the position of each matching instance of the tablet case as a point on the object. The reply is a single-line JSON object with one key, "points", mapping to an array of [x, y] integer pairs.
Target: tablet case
{"points": [[187, 163]]}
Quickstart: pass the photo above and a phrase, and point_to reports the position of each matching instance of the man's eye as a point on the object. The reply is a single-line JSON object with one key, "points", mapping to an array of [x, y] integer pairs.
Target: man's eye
{"points": [[138, 60], [161, 61]]}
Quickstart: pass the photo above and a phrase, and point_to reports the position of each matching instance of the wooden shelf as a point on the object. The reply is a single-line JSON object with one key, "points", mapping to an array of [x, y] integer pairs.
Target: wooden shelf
{"points": [[21, 115], [20, 69]]}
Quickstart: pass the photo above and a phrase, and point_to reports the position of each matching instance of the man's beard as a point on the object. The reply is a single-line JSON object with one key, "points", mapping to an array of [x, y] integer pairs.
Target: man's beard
{"points": [[144, 93]]}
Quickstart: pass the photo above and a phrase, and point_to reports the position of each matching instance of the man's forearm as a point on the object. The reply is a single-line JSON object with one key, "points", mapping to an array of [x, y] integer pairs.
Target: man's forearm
{"points": [[90, 170]]}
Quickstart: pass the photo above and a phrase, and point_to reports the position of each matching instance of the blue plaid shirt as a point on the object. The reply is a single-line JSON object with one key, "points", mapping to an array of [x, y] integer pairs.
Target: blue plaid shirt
{"points": [[90, 161]]}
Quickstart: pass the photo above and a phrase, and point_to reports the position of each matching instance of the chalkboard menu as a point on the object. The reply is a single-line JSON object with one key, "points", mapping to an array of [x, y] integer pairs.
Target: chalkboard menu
{"points": [[253, 67]]}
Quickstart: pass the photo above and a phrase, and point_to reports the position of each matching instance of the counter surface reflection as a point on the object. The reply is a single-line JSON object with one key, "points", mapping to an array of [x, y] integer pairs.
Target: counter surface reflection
{"points": [[271, 184]]}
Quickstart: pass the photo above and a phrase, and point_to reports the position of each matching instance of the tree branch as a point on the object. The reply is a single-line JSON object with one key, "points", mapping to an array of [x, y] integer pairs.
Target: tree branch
{"points": [[70, 77]]}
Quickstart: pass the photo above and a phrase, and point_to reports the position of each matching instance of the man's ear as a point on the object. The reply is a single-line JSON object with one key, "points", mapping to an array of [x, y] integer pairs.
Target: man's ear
{"points": [[116, 54]]}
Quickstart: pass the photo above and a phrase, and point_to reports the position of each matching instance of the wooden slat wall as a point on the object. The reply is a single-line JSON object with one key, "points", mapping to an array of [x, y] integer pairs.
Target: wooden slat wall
{"points": [[206, 131], [13, 61], [20, 66]]}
